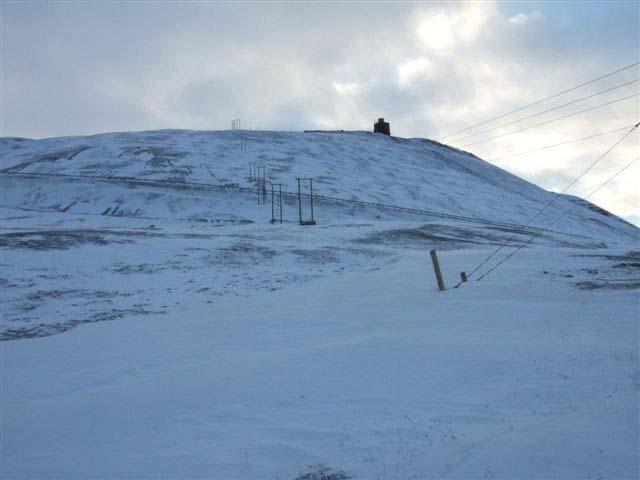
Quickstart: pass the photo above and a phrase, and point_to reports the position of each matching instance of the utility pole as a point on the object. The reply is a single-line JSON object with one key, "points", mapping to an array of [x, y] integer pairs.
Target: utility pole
{"points": [[273, 218], [310, 180], [311, 194], [273, 202], [280, 202], [262, 187], [299, 202]]}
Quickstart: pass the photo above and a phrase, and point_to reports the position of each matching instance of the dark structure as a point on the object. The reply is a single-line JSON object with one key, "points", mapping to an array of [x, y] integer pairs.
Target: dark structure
{"points": [[276, 202], [382, 127], [310, 195]]}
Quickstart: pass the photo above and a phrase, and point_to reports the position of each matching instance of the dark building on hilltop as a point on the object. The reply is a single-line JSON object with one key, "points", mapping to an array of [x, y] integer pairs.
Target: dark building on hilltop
{"points": [[382, 127]]}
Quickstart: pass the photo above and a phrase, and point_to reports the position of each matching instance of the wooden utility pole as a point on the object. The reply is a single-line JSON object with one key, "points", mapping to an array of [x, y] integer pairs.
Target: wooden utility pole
{"points": [[436, 269], [310, 180], [311, 198], [275, 203], [262, 184], [299, 202], [280, 201]]}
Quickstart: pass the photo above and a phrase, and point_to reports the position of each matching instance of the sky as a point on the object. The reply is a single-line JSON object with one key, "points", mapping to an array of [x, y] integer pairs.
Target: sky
{"points": [[429, 68]]}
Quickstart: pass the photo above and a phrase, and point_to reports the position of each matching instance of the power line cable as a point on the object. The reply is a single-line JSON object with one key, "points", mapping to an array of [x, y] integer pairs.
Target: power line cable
{"points": [[552, 120], [556, 220], [543, 100], [553, 200], [560, 144], [546, 111], [599, 187]]}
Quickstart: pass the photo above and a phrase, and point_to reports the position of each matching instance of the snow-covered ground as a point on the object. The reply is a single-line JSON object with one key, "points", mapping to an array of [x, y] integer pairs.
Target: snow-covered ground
{"points": [[374, 374], [166, 330]]}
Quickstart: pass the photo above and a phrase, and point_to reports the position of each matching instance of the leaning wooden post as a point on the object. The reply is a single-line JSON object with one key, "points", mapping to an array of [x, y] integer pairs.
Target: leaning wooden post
{"points": [[436, 269]]}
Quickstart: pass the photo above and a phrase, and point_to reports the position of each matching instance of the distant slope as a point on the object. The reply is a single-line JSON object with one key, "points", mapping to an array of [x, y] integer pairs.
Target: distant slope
{"points": [[413, 173]]}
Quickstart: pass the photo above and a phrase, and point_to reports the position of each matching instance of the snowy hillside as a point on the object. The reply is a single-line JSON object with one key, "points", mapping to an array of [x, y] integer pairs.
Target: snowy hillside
{"points": [[412, 173], [154, 323]]}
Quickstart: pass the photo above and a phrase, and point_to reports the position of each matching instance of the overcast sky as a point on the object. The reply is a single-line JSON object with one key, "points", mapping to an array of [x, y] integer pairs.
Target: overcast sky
{"points": [[72, 68]]}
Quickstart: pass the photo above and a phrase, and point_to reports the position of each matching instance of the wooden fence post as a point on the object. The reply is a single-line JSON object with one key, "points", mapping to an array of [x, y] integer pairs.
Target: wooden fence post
{"points": [[436, 269]]}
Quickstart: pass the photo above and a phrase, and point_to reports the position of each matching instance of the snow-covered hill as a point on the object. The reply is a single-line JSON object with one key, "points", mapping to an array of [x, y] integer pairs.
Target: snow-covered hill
{"points": [[411, 173], [156, 324]]}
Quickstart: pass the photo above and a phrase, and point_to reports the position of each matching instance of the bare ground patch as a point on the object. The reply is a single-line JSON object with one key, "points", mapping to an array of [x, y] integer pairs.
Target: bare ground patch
{"points": [[44, 330]]}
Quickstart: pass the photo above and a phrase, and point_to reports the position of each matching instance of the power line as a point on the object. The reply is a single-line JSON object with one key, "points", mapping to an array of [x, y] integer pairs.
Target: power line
{"points": [[599, 187], [556, 219], [548, 204], [552, 120], [560, 144], [543, 100], [546, 111]]}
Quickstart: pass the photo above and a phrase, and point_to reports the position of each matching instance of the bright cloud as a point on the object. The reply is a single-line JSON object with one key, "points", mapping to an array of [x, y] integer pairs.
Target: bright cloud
{"points": [[346, 88], [410, 70], [523, 18], [443, 29], [436, 31]]}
